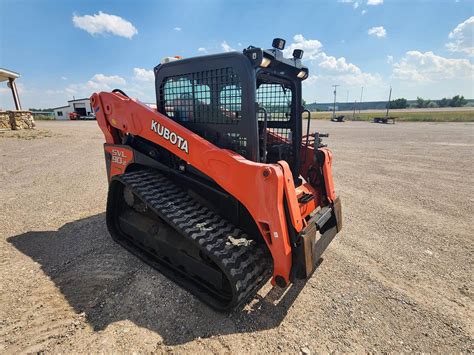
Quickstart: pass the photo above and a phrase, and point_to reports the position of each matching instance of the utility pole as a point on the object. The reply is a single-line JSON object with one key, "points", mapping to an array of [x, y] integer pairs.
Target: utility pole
{"points": [[360, 102], [388, 104], [334, 107]]}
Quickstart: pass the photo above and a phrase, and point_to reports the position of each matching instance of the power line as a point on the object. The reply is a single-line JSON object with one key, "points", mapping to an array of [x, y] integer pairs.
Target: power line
{"points": [[360, 102], [334, 108], [388, 104]]}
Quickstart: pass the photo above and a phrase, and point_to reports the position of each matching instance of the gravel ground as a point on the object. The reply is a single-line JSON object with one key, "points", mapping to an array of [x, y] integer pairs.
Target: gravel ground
{"points": [[399, 277]]}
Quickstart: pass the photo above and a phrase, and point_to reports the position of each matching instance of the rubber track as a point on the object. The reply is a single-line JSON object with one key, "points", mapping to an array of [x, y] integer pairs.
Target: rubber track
{"points": [[246, 267]]}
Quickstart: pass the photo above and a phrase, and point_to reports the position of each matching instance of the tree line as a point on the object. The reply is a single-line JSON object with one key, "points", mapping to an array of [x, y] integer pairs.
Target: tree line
{"points": [[41, 109], [455, 101]]}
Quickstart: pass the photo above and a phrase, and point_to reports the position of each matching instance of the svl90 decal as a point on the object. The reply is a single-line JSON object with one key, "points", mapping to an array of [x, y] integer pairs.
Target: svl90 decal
{"points": [[119, 157]]}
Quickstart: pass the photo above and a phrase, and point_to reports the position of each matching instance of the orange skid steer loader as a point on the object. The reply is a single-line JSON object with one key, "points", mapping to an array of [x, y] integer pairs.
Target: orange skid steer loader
{"points": [[218, 188]]}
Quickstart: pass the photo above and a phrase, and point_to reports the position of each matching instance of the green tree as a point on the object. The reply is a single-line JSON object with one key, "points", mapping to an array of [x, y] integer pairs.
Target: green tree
{"points": [[41, 109], [421, 103], [444, 102], [458, 101], [399, 103]]}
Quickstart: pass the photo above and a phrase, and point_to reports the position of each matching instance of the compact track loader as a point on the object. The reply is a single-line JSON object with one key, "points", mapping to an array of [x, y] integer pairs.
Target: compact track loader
{"points": [[218, 188]]}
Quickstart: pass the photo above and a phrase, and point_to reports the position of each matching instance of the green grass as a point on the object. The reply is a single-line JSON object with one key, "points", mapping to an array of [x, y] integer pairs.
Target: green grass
{"points": [[432, 116]]}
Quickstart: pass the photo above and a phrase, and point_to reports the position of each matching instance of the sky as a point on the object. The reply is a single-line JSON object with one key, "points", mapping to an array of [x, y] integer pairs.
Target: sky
{"points": [[70, 49]]}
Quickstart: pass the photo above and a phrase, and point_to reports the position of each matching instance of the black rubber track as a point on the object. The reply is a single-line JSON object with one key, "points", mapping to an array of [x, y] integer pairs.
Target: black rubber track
{"points": [[246, 267]]}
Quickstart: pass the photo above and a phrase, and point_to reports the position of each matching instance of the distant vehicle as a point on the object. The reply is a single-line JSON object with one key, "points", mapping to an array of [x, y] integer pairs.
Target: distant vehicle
{"points": [[89, 117], [338, 118], [74, 116]]}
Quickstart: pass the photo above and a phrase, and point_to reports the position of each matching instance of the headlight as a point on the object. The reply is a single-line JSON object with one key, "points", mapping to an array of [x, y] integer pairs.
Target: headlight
{"points": [[265, 62], [302, 74]]}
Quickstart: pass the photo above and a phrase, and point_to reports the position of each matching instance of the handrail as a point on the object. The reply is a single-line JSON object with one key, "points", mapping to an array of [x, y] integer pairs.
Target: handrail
{"points": [[265, 127], [307, 131]]}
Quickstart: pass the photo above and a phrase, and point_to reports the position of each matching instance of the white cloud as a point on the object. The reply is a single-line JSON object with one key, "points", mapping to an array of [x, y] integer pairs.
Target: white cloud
{"points": [[103, 23], [363, 12], [355, 4], [389, 59], [428, 67], [374, 2], [311, 47], [140, 74], [57, 95], [345, 73], [109, 80], [177, 29], [326, 70], [99, 82], [463, 38], [141, 87], [336, 64], [63, 78], [226, 48], [312, 79], [202, 50], [378, 32], [54, 92]]}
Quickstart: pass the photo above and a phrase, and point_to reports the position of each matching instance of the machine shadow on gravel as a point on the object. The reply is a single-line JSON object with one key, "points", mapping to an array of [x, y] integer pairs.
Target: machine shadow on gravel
{"points": [[108, 284]]}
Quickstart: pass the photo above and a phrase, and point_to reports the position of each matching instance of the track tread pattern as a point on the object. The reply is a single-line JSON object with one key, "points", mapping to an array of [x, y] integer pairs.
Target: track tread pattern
{"points": [[246, 267]]}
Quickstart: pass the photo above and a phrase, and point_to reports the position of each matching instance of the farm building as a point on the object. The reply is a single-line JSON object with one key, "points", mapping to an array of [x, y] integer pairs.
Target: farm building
{"points": [[80, 106]]}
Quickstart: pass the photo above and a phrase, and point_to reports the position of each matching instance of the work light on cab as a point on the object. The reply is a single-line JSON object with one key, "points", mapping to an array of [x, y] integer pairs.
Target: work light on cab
{"points": [[265, 62]]}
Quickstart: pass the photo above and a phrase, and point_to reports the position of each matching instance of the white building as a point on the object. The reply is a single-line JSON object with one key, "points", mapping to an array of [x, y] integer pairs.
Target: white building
{"points": [[81, 106]]}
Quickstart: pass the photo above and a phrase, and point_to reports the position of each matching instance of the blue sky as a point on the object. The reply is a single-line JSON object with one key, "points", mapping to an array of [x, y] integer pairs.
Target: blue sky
{"points": [[73, 48]]}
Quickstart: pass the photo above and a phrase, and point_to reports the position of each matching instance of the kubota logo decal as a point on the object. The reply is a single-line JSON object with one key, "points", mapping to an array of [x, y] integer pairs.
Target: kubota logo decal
{"points": [[172, 137]]}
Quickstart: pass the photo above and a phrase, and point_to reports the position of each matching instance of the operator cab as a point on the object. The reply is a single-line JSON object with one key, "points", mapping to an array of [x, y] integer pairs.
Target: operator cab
{"points": [[232, 99]]}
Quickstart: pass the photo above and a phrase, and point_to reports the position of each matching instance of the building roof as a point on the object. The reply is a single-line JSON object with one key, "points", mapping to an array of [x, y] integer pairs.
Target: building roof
{"points": [[78, 99], [57, 108], [6, 74]]}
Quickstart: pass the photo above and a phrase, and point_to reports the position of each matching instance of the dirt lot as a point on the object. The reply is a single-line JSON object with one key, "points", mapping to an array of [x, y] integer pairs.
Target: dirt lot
{"points": [[399, 278]]}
